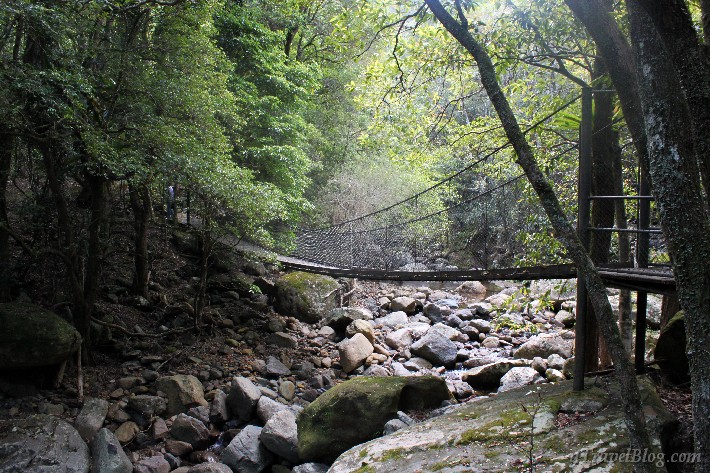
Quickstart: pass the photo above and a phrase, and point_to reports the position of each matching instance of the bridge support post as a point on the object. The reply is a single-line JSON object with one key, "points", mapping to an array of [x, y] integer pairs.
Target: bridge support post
{"points": [[583, 208], [642, 260]]}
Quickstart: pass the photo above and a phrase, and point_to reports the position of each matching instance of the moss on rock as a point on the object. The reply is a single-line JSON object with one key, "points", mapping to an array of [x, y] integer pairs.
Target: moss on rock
{"points": [[32, 336], [306, 296], [357, 410]]}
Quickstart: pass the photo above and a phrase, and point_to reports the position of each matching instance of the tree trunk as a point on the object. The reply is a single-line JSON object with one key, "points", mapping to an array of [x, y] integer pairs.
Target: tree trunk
{"points": [[683, 215], [564, 231], [141, 206], [618, 57], [5, 163], [673, 22]]}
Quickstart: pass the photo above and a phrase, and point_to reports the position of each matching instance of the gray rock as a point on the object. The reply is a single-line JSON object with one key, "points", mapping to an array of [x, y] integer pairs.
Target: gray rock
{"points": [[544, 345], [481, 433], [282, 339], [393, 426], [219, 411], [434, 312], [274, 367], [554, 375], [393, 320], [91, 417], [183, 392], [436, 348], [483, 326], [327, 332], [280, 435], [242, 399], [483, 309], [565, 318], [210, 467], [354, 351], [107, 455], [155, 464], [407, 305], [518, 377], [489, 376], [287, 390], [555, 361], [399, 370], [42, 444], [306, 296], [190, 430], [539, 364], [376, 370], [310, 468], [245, 453], [266, 408], [399, 339], [417, 364], [568, 368], [445, 330], [341, 317], [147, 406], [361, 326]]}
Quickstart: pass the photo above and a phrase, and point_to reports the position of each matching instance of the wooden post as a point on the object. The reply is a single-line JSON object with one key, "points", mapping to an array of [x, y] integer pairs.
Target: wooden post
{"points": [[583, 207], [642, 260]]}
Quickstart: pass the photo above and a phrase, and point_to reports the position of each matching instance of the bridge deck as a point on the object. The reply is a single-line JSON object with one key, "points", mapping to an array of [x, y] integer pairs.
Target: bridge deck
{"points": [[656, 280]]}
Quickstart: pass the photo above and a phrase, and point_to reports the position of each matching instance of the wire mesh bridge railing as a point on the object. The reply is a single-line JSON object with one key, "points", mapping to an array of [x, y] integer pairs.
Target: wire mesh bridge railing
{"points": [[482, 222]]}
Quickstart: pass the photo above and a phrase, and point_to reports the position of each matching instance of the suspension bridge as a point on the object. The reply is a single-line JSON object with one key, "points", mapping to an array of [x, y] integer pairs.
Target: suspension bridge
{"points": [[484, 222]]}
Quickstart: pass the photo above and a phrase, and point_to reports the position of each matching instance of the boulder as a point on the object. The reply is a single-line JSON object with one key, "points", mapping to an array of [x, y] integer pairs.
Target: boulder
{"points": [[107, 455], [306, 296], [190, 430], [399, 339], [671, 349], [354, 351], [544, 345], [91, 417], [480, 436], [408, 305], [275, 368], [182, 391], [357, 410], [144, 407], [209, 467], [565, 318], [242, 399], [245, 453], [436, 348], [518, 377], [219, 411], [340, 317], [42, 444], [488, 376], [471, 288], [266, 408], [126, 432], [393, 320], [32, 336], [280, 435], [361, 326]]}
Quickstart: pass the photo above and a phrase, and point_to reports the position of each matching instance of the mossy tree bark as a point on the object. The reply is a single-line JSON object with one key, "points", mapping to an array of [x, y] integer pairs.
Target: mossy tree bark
{"points": [[564, 231], [673, 149], [142, 211]]}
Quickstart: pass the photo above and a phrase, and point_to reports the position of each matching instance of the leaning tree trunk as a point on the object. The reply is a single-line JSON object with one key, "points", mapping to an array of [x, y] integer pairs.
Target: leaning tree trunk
{"points": [[565, 233], [681, 205]]}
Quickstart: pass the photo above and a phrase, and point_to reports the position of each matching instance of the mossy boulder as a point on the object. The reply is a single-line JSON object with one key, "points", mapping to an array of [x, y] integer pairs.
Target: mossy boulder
{"points": [[306, 296], [357, 410], [31, 336], [493, 434], [671, 349]]}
